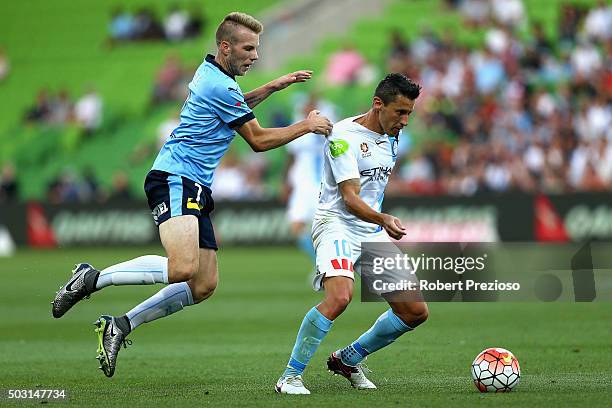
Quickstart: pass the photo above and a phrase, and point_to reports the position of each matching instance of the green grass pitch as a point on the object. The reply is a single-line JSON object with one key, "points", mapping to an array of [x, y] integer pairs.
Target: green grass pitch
{"points": [[230, 350]]}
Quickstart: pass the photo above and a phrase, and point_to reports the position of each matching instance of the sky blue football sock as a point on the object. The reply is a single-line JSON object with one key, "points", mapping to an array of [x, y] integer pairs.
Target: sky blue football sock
{"points": [[144, 270], [385, 330], [170, 299], [312, 331], [305, 244], [352, 354]]}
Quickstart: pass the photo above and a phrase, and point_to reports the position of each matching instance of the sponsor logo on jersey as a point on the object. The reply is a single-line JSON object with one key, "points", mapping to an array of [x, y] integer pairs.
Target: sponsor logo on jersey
{"points": [[338, 147], [377, 173]]}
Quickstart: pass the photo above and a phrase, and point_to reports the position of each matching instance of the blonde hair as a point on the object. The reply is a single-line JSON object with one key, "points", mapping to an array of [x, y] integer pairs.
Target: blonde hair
{"points": [[225, 31]]}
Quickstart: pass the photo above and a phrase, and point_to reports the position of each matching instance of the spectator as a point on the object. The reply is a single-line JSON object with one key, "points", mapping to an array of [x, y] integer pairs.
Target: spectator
{"points": [[197, 22], [424, 45], [254, 167], [568, 24], [475, 13], [64, 188], [120, 190], [598, 22], [5, 67], [176, 24], [146, 25], [165, 129], [41, 110], [88, 111], [398, 59], [90, 187], [585, 59], [230, 178], [419, 175], [540, 40], [169, 84], [145, 150], [510, 13], [9, 189], [61, 108], [344, 66], [489, 71], [122, 26]]}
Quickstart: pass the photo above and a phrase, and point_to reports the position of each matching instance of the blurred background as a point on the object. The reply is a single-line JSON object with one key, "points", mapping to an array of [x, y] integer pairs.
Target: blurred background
{"points": [[510, 141]]}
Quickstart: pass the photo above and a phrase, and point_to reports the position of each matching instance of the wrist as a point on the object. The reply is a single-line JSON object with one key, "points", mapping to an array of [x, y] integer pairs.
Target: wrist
{"points": [[307, 128], [379, 219], [273, 86]]}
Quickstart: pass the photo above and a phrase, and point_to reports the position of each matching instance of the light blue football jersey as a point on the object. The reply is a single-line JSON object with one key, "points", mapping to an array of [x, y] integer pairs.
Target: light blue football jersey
{"points": [[214, 108]]}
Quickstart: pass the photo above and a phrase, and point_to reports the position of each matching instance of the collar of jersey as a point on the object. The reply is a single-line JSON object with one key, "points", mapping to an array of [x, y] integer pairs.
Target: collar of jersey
{"points": [[368, 132], [211, 59]]}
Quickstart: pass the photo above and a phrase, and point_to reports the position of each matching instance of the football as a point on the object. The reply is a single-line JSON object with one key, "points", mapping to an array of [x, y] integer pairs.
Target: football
{"points": [[495, 370]]}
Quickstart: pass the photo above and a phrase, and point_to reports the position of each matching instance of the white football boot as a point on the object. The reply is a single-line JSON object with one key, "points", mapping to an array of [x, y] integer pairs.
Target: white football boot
{"points": [[291, 384], [356, 375]]}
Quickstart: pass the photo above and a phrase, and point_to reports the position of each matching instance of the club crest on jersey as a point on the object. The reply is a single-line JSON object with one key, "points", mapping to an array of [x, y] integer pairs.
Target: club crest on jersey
{"points": [[365, 150], [338, 147]]}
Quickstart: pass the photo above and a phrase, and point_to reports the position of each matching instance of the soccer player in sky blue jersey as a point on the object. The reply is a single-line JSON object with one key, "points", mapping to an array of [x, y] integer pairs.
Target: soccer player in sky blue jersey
{"points": [[178, 188]]}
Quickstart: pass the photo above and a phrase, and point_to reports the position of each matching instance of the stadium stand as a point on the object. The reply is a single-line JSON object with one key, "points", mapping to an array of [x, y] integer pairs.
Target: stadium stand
{"points": [[125, 75]]}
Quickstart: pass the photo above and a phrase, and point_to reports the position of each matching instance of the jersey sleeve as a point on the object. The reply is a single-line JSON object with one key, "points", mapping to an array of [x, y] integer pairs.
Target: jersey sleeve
{"points": [[342, 160], [228, 102]]}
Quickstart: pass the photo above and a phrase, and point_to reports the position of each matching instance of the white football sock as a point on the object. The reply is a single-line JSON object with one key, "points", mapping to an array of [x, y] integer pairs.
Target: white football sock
{"points": [[170, 299], [144, 270]]}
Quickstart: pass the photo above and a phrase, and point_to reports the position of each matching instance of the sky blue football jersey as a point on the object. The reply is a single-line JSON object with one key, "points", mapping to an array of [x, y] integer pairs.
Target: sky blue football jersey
{"points": [[214, 108]]}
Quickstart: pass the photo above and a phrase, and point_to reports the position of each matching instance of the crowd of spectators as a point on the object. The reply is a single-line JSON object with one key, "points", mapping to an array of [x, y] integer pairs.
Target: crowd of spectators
{"points": [[521, 112], [143, 25], [515, 114], [525, 111], [59, 109]]}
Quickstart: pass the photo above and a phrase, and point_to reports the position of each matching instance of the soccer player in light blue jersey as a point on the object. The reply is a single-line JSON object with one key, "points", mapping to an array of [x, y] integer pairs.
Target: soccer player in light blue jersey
{"points": [[178, 188]]}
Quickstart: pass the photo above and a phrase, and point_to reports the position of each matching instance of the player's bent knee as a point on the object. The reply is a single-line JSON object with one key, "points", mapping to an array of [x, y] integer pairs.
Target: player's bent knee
{"points": [[203, 291], [422, 316], [339, 302], [414, 315], [181, 271], [418, 314]]}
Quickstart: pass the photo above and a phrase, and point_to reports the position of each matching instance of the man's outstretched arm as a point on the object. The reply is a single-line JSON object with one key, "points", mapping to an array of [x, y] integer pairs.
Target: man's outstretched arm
{"points": [[256, 96], [262, 139]]}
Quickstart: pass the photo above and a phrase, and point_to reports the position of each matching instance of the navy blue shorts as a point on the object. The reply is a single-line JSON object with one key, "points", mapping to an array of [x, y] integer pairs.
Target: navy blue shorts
{"points": [[170, 195]]}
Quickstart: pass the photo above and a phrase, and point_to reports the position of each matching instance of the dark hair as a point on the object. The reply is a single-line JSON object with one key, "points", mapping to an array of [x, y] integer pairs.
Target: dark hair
{"points": [[397, 84]]}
